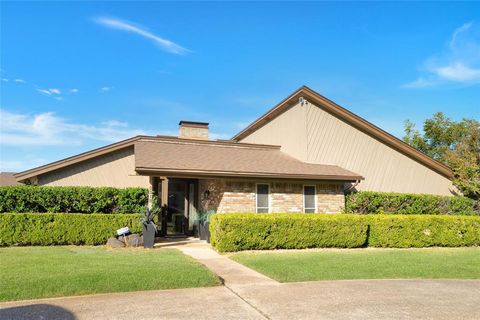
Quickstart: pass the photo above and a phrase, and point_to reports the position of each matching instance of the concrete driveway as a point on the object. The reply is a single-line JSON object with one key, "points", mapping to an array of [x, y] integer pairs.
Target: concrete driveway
{"points": [[353, 299]]}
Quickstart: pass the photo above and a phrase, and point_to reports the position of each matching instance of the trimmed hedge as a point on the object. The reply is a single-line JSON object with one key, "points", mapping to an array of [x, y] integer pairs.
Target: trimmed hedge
{"points": [[406, 231], [368, 202], [235, 232], [45, 229], [72, 199]]}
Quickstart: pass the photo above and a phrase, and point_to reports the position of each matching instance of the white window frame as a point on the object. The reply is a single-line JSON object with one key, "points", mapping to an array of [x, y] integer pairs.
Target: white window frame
{"points": [[314, 197], [268, 197]]}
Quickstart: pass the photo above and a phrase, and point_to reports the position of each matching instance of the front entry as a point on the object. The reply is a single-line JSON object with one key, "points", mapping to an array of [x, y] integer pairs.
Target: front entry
{"points": [[181, 207]]}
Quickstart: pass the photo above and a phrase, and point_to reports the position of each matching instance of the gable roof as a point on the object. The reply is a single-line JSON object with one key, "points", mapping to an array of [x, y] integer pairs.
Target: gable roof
{"points": [[214, 158], [351, 119]]}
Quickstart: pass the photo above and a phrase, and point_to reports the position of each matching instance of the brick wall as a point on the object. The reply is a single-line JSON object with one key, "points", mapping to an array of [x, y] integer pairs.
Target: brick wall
{"points": [[230, 195]]}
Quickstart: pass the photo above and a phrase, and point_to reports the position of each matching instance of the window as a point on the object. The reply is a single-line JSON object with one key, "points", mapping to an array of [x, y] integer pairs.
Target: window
{"points": [[309, 199], [262, 198]]}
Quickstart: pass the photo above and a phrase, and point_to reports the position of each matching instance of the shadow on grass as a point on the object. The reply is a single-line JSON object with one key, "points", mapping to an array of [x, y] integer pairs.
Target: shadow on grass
{"points": [[36, 312]]}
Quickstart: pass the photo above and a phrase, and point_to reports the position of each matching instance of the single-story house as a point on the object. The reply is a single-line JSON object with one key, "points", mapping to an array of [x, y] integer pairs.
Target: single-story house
{"points": [[300, 156]]}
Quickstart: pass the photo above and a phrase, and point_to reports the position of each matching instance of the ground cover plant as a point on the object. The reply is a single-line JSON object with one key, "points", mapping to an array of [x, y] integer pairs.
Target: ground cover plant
{"points": [[369, 263], [40, 272]]}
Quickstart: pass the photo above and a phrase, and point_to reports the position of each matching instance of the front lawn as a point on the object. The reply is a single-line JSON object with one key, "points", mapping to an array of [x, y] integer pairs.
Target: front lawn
{"points": [[39, 272], [333, 264]]}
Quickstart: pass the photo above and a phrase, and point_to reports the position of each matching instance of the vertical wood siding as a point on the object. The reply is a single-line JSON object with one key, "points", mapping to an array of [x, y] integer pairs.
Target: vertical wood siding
{"points": [[115, 169], [313, 135]]}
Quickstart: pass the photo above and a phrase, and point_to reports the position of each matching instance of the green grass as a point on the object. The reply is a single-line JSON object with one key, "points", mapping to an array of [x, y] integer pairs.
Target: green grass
{"points": [[428, 263], [39, 272]]}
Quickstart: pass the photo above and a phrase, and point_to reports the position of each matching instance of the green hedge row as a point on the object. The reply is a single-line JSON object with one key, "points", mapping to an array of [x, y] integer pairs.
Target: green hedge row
{"points": [[367, 202], [406, 231], [72, 199], [235, 232], [63, 229], [251, 231]]}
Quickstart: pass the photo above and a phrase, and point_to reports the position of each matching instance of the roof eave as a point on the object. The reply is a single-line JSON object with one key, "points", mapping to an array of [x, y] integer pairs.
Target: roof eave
{"points": [[218, 173]]}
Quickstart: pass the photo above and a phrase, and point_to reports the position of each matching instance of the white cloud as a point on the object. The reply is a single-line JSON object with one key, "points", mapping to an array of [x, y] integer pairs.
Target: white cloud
{"points": [[50, 92], [459, 63], [19, 80], [4, 79], [163, 43], [458, 72], [74, 90], [105, 89], [48, 129]]}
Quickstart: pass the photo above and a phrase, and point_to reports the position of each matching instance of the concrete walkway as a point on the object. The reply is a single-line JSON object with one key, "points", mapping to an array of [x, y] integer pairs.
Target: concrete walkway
{"points": [[232, 273]]}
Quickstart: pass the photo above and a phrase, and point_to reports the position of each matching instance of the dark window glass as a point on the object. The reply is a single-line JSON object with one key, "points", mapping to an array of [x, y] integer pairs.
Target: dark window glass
{"points": [[309, 198], [262, 198]]}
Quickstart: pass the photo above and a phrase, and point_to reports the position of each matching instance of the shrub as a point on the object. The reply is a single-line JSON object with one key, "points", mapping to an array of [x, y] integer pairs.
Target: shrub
{"points": [[405, 231], [63, 229], [234, 232], [72, 199], [367, 202]]}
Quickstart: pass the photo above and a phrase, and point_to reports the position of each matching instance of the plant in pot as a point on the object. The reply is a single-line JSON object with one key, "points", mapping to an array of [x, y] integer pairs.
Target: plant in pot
{"points": [[148, 224], [203, 225]]}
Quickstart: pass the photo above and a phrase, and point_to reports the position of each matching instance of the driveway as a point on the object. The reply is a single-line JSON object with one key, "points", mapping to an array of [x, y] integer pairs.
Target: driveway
{"points": [[357, 299]]}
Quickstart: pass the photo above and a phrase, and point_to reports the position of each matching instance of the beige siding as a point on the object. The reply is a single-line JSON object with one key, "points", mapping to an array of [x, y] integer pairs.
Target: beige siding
{"points": [[115, 169], [313, 135]]}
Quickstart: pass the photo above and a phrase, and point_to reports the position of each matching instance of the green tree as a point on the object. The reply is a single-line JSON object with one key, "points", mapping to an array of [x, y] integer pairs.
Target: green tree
{"points": [[456, 144]]}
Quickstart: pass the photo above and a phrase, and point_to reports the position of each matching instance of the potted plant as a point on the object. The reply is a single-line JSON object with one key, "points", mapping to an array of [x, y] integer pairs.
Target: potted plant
{"points": [[203, 225], [149, 226]]}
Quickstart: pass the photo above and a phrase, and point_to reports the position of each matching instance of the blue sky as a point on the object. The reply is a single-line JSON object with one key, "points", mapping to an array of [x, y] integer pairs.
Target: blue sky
{"points": [[80, 75]]}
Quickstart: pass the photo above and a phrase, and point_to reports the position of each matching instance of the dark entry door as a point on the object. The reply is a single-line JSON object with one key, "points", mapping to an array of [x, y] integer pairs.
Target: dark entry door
{"points": [[181, 203]]}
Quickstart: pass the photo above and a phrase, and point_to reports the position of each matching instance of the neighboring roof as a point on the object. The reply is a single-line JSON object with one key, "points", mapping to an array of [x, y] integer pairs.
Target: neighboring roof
{"points": [[21, 176], [8, 179], [219, 158], [348, 117]]}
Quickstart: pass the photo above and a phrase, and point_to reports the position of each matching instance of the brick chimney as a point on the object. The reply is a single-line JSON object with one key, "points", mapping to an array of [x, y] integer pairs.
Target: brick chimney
{"points": [[193, 130]]}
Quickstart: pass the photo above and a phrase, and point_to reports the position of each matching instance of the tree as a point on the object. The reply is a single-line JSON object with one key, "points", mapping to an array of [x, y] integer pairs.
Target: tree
{"points": [[456, 144]]}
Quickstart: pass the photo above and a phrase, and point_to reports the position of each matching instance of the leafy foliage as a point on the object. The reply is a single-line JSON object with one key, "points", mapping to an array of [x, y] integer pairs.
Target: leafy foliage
{"points": [[62, 229], [405, 231], [457, 144], [72, 199], [234, 232], [368, 202]]}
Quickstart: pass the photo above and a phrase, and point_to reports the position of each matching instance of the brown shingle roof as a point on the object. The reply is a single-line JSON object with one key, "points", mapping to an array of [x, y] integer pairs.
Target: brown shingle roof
{"points": [[228, 159]]}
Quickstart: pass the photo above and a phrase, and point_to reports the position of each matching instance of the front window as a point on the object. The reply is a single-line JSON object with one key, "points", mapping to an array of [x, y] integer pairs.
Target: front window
{"points": [[262, 198], [309, 199]]}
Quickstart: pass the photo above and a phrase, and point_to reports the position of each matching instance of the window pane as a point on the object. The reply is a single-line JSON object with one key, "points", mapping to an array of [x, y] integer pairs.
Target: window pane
{"points": [[309, 196], [262, 197]]}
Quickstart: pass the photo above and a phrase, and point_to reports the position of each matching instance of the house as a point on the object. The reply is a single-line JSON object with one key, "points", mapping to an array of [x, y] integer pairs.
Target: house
{"points": [[8, 179], [300, 156]]}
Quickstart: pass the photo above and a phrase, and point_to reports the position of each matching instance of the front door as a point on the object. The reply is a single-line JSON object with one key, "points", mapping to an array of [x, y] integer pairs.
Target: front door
{"points": [[181, 207]]}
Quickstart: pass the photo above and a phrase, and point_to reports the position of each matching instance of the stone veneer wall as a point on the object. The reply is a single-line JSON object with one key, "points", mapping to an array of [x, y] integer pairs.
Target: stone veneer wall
{"points": [[229, 195]]}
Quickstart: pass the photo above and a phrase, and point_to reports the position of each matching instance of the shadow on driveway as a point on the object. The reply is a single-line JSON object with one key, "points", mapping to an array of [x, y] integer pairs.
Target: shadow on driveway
{"points": [[36, 312]]}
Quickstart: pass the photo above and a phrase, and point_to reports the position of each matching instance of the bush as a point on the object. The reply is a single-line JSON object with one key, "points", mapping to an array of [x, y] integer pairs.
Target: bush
{"points": [[72, 199], [367, 202], [234, 232], [63, 229], [406, 231]]}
